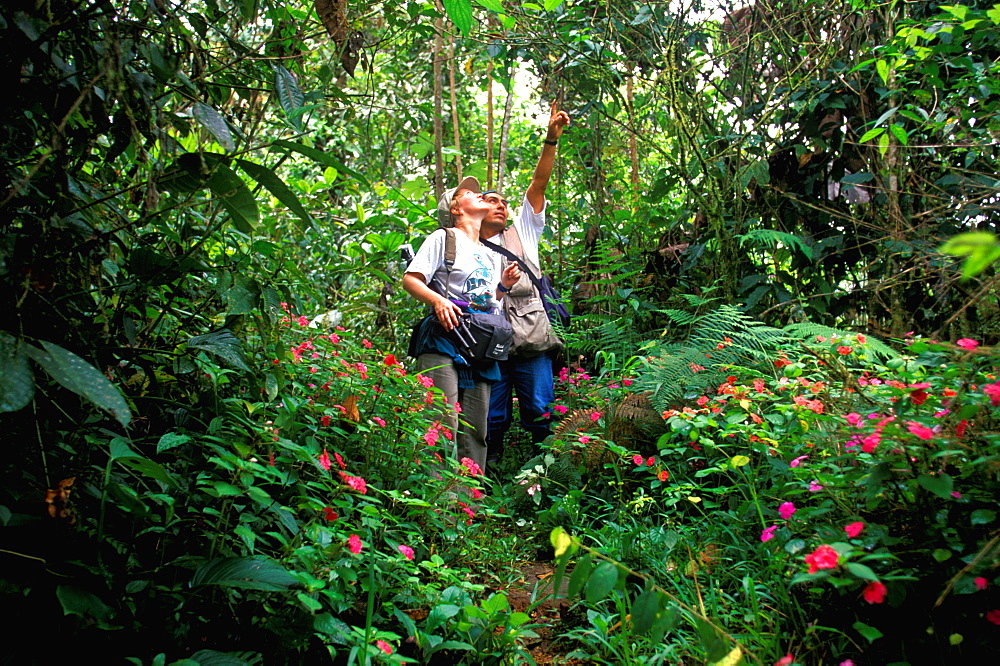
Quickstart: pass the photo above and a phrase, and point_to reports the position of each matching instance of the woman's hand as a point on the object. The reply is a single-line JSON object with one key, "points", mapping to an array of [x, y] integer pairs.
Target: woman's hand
{"points": [[447, 313]]}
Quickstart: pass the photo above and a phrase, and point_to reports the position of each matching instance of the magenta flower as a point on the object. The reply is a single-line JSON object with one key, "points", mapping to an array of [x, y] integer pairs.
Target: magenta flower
{"points": [[425, 381], [379, 420], [814, 487], [595, 416], [354, 544], [967, 343], [382, 645], [406, 551], [583, 439], [560, 409], [786, 510], [637, 460], [471, 466], [768, 533], [797, 461], [854, 529], [981, 583]]}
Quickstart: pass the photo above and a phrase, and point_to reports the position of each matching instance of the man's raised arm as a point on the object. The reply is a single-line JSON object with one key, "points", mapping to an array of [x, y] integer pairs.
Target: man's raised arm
{"points": [[558, 121]]}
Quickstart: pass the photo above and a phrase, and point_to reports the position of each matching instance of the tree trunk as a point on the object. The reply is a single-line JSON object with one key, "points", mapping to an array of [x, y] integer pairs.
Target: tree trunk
{"points": [[504, 134], [489, 125], [454, 109], [438, 124]]}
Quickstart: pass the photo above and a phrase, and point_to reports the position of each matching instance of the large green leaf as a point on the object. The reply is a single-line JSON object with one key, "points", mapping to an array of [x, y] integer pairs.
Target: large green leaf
{"points": [[289, 94], [323, 158], [941, 485], [460, 13], [17, 385], [251, 573], [235, 197], [75, 601], [601, 582], [82, 378], [645, 610], [273, 184], [213, 121], [223, 344]]}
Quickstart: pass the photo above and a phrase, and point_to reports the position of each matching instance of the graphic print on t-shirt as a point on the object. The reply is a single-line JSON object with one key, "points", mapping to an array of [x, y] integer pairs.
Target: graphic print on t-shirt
{"points": [[479, 284]]}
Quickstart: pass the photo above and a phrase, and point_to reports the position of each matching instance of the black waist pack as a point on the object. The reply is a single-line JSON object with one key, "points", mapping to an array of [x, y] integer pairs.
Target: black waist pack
{"points": [[481, 336]]}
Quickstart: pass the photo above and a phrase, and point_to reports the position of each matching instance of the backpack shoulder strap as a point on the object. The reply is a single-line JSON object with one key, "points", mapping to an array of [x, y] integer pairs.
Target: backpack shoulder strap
{"points": [[449, 248]]}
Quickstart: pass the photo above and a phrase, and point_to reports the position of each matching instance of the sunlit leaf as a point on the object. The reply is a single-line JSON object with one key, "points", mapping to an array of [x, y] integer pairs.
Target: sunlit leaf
{"points": [[460, 13]]}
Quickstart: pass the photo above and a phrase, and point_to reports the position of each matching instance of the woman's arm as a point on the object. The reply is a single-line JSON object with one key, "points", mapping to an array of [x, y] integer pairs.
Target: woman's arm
{"points": [[446, 311]]}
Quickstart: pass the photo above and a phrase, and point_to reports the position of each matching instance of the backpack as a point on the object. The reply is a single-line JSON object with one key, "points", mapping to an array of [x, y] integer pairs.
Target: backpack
{"points": [[525, 305]]}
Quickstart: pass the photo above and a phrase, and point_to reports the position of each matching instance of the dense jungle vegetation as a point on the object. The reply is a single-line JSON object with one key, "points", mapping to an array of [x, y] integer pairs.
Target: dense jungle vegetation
{"points": [[775, 224]]}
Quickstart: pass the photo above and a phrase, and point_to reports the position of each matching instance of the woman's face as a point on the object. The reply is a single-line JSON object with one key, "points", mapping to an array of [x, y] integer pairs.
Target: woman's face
{"points": [[470, 203]]}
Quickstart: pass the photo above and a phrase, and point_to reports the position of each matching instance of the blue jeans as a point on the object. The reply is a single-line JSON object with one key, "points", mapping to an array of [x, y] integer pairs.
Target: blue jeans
{"points": [[531, 380]]}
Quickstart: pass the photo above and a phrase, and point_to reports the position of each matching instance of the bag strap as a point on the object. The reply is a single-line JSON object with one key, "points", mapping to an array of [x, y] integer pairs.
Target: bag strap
{"points": [[450, 254]]}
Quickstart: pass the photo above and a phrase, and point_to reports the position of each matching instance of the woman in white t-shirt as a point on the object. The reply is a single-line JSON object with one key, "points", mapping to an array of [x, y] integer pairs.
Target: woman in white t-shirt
{"points": [[476, 283]]}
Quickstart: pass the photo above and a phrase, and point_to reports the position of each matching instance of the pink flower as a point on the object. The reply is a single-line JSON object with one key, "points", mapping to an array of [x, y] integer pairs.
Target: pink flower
{"points": [[560, 409], [768, 533], [993, 616], [330, 515], [797, 461], [637, 460], [534, 488], [334, 338], [324, 461], [861, 338], [406, 551], [786, 510], [354, 544], [921, 431], [467, 510], [824, 557], [993, 390], [367, 344], [425, 381], [382, 645], [650, 461], [956, 494], [458, 407], [595, 416], [431, 436], [379, 420], [340, 461], [847, 662], [854, 529], [583, 439], [854, 419], [355, 482], [814, 487], [626, 382], [844, 350], [981, 583], [787, 660], [967, 343], [471, 466], [874, 592], [869, 443]]}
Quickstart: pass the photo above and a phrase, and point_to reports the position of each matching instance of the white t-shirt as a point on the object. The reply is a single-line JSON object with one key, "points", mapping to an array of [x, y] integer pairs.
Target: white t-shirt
{"points": [[529, 226], [473, 277]]}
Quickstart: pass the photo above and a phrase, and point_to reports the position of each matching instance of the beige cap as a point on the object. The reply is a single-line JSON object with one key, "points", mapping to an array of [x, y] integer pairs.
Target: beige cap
{"points": [[444, 203]]}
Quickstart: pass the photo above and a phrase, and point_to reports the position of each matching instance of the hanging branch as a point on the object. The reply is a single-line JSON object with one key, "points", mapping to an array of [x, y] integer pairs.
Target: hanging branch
{"points": [[454, 109], [489, 124], [438, 93], [504, 133]]}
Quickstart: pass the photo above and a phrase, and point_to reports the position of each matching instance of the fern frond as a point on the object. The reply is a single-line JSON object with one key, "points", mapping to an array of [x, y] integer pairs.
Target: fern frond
{"points": [[807, 333], [771, 238]]}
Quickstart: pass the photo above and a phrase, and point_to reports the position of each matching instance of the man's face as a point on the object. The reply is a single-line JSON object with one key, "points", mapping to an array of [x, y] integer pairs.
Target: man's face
{"points": [[495, 220]]}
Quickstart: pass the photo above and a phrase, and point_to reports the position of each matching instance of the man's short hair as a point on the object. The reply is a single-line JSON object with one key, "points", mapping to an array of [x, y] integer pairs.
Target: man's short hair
{"points": [[445, 218]]}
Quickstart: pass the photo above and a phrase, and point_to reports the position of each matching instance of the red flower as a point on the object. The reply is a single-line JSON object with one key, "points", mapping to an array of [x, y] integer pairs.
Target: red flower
{"points": [[382, 645], [354, 544], [355, 482], [919, 396], [981, 583], [663, 475], [390, 359], [844, 350], [650, 461], [782, 362], [329, 514], [874, 592], [993, 616], [787, 660], [325, 420], [824, 557], [854, 529]]}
